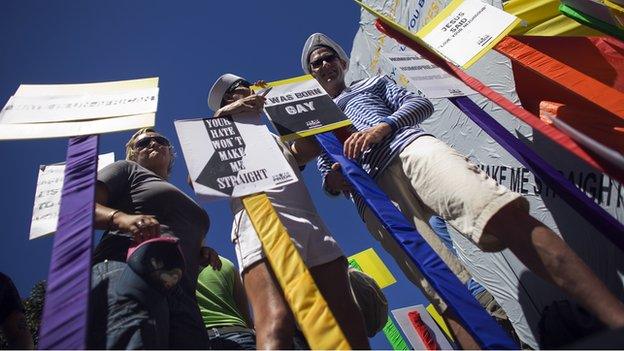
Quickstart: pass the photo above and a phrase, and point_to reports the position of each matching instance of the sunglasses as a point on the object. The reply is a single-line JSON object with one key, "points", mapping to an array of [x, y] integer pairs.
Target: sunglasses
{"points": [[319, 61], [237, 84], [145, 142]]}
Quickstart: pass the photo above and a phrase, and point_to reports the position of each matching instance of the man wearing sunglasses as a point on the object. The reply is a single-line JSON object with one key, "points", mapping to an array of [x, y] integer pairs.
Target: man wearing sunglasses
{"points": [[424, 176]]}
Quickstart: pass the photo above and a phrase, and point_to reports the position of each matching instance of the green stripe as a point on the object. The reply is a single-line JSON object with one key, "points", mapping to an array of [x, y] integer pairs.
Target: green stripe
{"points": [[590, 21], [353, 264], [394, 336]]}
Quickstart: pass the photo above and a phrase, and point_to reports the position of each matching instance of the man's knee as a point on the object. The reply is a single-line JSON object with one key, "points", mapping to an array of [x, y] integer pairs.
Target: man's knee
{"points": [[512, 223]]}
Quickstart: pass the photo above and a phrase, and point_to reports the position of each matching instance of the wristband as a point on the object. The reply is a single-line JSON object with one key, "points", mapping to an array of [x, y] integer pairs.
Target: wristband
{"points": [[390, 122], [110, 218]]}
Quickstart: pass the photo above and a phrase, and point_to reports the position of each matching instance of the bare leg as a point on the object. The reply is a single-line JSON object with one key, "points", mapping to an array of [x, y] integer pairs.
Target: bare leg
{"points": [[273, 321], [461, 335], [547, 255], [333, 281]]}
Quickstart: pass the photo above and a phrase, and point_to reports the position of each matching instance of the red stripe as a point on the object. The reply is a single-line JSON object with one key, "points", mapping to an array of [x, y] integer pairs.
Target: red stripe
{"points": [[425, 334]]}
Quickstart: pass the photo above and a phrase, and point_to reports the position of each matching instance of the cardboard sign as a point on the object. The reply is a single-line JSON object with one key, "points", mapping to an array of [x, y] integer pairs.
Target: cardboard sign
{"points": [[48, 196], [370, 263], [232, 156], [62, 110], [300, 107], [425, 78]]}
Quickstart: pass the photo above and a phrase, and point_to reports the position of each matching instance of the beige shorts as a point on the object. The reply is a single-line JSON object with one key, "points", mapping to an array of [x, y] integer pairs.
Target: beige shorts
{"points": [[297, 213], [427, 178]]}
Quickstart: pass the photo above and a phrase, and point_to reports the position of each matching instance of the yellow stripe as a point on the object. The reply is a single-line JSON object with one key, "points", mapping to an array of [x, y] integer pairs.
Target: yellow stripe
{"points": [[306, 302], [440, 321], [320, 130], [276, 83], [613, 5], [439, 18]]}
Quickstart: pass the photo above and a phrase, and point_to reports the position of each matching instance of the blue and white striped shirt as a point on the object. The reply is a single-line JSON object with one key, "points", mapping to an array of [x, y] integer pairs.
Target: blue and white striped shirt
{"points": [[372, 101]]}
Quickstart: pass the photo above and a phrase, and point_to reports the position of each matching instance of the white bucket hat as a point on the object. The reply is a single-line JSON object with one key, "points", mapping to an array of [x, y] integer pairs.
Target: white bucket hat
{"points": [[316, 41], [219, 88]]}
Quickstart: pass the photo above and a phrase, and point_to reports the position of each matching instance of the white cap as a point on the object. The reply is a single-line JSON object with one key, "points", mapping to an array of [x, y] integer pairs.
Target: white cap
{"points": [[215, 96], [316, 41]]}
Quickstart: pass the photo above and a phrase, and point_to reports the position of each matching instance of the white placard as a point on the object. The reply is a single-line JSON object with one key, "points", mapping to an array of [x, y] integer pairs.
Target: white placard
{"points": [[232, 156], [69, 129], [60, 108], [300, 107], [470, 28], [48, 196], [425, 78]]}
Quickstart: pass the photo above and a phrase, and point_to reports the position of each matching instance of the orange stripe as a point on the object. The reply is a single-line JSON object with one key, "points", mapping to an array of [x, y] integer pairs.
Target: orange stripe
{"points": [[565, 76]]}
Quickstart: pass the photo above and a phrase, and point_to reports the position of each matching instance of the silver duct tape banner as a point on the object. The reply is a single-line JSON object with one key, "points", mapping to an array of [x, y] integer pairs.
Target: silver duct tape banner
{"points": [[521, 294]]}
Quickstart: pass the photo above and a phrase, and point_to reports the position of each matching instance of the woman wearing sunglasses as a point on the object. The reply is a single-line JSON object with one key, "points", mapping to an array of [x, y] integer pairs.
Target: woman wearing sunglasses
{"points": [[273, 319], [135, 204]]}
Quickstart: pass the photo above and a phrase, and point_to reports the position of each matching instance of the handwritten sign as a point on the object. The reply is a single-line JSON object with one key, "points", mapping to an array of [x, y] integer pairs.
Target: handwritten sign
{"points": [[300, 107], [232, 156], [48, 196]]}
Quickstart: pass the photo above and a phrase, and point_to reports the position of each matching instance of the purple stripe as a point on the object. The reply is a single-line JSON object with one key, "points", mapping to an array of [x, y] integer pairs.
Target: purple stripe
{"points": [[64, 322], [581, 203]]}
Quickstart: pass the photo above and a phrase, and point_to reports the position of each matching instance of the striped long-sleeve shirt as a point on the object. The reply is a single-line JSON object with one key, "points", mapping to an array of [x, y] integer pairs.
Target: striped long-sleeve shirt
{"points": [[372, 101]]}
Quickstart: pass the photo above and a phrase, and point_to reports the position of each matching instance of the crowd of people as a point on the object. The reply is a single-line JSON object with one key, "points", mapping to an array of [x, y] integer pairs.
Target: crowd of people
{"points": [[154, 284]]}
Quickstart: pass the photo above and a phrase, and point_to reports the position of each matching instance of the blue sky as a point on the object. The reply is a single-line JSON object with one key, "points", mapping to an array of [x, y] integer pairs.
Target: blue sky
{"points": [[188, 44]]}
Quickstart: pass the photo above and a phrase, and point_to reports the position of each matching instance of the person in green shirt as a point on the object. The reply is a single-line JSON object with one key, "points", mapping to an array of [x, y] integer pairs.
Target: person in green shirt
{"points": [[224, 308]]}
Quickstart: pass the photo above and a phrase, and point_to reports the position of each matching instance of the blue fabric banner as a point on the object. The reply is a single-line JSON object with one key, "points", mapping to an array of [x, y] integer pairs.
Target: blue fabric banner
{"points": [[481, 326]]}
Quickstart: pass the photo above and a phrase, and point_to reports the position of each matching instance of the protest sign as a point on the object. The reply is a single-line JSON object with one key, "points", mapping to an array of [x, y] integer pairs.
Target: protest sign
{"points": [[60, 110], [462, 32], [466, 29], [425, 78], [48, 196], [232, 156], [300, 107]]}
